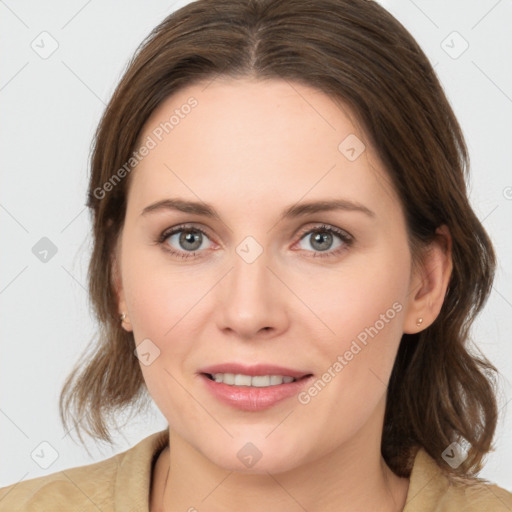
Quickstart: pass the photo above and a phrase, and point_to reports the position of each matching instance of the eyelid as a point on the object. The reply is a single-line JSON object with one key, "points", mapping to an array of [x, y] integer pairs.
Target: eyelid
{"points": [[321, 226], [166, 233]]}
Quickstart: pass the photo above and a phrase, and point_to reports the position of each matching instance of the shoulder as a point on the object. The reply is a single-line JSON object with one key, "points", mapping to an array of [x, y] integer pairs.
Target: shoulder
{"points": [[99, 486], [430, 489], [477, 497], [77, 486]]}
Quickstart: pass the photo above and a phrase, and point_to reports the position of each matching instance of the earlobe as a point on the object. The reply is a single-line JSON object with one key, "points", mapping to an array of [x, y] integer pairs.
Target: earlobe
{"points": [[119, 292], [125, 322], [430, 283]]}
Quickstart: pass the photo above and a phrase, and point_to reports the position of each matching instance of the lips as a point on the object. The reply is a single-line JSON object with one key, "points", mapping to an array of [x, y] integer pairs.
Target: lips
{"points": [[250, 398]]}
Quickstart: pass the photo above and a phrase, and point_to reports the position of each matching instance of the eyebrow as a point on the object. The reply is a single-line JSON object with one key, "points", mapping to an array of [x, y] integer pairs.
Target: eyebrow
{"points": [[293, 211]]}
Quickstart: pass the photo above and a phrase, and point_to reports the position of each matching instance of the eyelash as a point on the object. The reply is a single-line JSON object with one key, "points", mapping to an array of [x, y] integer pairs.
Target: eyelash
{"points": [[347, 240]]}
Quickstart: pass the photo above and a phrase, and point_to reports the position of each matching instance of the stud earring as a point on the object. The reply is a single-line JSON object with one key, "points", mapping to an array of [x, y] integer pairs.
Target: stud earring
{"points": [[122, 317], [419, 321]]}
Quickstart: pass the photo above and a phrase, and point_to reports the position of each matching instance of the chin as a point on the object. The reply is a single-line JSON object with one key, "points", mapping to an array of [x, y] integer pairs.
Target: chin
{"points": [[259, 456], [274, 464]]}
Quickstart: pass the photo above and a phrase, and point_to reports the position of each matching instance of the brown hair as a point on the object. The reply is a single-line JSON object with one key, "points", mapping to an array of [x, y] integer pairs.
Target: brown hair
{"points": [[359, 55]]}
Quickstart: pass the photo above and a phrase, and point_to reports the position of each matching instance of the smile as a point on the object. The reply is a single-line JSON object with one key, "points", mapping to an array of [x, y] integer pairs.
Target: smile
{"points": [[253, 387], [258, 381]]}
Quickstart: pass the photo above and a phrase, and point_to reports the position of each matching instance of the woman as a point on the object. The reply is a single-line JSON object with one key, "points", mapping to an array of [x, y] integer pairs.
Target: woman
{"points": [[285, 258]]}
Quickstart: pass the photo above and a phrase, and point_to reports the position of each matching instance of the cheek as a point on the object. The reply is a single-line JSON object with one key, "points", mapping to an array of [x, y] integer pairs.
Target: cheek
{"points": [[161, 303], [357, 359], [369, 292], [364, 308], [158, 295]]}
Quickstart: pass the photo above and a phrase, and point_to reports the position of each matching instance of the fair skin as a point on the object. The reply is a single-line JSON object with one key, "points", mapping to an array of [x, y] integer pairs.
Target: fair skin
{"points": [[251, 149]]}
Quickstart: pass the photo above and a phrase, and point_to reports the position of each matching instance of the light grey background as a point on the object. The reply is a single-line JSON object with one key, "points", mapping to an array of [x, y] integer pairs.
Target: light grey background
{"points": [[49, 110]]}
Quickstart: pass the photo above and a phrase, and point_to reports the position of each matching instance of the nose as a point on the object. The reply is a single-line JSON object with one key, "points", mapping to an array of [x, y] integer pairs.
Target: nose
{"points": [[253, 302]]}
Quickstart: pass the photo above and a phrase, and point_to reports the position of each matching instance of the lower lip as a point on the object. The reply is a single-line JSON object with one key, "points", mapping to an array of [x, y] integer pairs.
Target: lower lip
{"points": [[249, 398]]}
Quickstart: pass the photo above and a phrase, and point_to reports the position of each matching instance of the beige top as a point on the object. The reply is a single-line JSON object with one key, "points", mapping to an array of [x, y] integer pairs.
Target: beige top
{"points": [[122, 483]]}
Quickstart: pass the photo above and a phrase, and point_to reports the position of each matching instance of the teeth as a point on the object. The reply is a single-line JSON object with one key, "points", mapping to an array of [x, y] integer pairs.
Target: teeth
{"points": [[242, 380], [262, 381], [230, 378], [258, 381]]}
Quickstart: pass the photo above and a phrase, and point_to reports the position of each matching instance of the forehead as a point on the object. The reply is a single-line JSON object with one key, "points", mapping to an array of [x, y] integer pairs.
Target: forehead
{"points": [[253, 140]]}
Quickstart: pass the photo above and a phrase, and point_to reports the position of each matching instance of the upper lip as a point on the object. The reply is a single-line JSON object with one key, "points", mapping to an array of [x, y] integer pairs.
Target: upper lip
{"points": [[257, 369]]}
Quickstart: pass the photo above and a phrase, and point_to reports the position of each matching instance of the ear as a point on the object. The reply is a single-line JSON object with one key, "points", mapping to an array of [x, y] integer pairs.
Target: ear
{"points": [[117, 283], [429, 283]]}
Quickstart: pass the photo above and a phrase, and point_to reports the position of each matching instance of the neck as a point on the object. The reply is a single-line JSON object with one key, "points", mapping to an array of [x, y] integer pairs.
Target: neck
{"points": [[351, 477]]}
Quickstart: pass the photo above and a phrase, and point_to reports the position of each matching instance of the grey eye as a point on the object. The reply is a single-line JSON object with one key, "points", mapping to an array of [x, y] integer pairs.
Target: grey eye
{"points": [[187, 239], [321, 240]]}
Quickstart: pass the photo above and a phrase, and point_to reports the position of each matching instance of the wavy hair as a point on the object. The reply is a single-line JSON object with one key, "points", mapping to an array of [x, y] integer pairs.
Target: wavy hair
{"points": [[361, 56]]}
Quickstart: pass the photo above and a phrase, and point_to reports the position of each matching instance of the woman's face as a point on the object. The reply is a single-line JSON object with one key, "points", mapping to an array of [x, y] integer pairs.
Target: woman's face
{"points": [[256, 278]]}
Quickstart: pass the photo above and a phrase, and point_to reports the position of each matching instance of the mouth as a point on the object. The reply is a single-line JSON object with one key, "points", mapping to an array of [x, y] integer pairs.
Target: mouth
{"points": [[253, 388]]}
